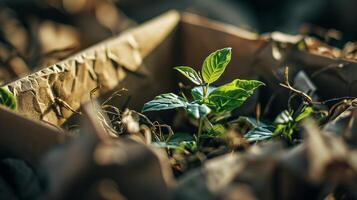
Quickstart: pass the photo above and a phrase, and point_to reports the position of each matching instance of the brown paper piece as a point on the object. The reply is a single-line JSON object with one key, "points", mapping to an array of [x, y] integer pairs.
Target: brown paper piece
{"points": [[71, 80], [16, 138]]}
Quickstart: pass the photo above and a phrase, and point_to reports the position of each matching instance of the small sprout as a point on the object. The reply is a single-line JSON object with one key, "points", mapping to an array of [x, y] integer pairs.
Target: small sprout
{"points": [[286, 124], [207, 100]]}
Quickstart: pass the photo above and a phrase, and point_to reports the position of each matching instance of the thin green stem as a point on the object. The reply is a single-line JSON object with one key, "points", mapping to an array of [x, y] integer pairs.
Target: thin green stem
{"points": [[204, 92], [206, 88]]}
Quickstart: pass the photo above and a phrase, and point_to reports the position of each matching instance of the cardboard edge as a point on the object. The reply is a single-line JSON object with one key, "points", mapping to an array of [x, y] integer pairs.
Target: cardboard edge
{"points": [[25, 138]]}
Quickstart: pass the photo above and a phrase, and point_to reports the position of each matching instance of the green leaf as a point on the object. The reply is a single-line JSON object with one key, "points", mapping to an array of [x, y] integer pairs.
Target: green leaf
{"points": [[283, 118], [7, 99], [190, 74], [226, 100], [197, 92], [305, 113], [165, 102], [289, 134], [197, 110], [215, 64], [280, 128], [232, 95], [259, 134], [247, 85]]}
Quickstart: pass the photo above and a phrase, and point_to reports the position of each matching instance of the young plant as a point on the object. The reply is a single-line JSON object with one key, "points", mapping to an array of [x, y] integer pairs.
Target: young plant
{"points": [[207, 99], [286, 123]]}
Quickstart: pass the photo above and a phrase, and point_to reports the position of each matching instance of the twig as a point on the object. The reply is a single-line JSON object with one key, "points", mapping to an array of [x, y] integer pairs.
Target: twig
{"points": [[307, 99], [116, 93], [155, 125], [94, 90], [287, 85], [66, 105]]}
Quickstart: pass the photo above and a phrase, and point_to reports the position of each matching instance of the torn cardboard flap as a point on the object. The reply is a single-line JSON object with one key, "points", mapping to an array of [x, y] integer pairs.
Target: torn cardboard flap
{"points": [[72, 79]]}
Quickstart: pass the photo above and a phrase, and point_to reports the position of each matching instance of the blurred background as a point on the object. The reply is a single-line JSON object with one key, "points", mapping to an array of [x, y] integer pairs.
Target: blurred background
{"points": [[37, 33]]}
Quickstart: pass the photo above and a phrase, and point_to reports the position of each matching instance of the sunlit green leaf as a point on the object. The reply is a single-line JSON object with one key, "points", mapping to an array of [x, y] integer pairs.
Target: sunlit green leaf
{"points": [[305, 113], [165, 102], [7, 99], [226, 100], [232, 95], [215, 64], [190, 74], [279, 129]]}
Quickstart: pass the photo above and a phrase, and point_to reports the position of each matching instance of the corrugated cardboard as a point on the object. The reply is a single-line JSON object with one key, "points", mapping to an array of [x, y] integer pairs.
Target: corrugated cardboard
{"points": [[141, 60]]}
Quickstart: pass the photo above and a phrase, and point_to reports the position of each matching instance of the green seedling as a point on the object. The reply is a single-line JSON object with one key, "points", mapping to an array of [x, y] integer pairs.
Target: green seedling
{"points": [[286, 124], [207, 99]]}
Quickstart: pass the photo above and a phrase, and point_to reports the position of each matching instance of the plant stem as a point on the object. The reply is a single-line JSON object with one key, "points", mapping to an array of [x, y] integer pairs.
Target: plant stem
{"points": [[204, 92], [206, 88], [199, 130]]}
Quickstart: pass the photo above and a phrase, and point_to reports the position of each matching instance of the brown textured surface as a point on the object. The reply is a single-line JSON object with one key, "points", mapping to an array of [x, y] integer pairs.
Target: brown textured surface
{"points": [[138, 58], [141, 59], [72, 79]]}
